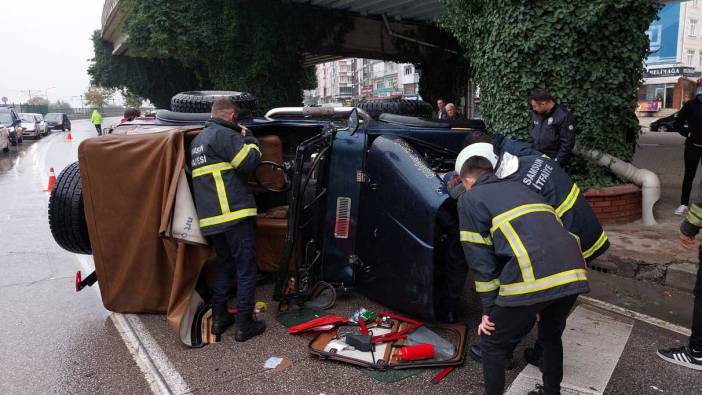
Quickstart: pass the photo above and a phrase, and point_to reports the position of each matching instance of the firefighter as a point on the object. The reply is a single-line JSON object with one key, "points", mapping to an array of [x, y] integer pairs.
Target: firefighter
{"points": [[524, 263], [545, 177], [549, 180], [222, 157]]}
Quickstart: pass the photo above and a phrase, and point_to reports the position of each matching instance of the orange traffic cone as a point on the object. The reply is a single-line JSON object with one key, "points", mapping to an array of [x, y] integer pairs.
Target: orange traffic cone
{"points": [[69, 137], [52, 180]]}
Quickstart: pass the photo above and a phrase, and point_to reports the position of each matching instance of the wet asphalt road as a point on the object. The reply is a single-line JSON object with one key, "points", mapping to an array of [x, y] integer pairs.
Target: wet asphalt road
{"points": [[55, 340]]}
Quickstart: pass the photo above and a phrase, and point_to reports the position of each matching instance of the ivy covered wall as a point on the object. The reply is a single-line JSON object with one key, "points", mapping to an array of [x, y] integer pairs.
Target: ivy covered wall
{"points": [[589, 54], [243, 45]]}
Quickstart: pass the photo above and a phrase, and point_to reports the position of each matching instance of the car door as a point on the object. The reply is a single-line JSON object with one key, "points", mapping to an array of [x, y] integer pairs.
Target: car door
{"points": [[398, 227]]}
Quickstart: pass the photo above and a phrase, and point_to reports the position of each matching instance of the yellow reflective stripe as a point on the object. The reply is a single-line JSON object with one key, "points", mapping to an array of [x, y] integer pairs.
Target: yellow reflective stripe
{"points": [[519, 211], [201, 171], [487, 286], [477, 238], [694, 215], [541, 284], [519, 251], [569, 201], [598, 244], [220, 219], [243, 152], [221, 192]]}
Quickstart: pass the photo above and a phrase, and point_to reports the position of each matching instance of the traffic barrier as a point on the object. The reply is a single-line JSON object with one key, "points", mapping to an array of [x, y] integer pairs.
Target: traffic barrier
{"points": [[52, 180], [69, 137]]}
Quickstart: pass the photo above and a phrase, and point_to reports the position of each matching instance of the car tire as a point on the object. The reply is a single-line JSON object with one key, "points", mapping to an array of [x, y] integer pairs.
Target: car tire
{"points": [[662, 129], [201, 101], [414, 108], [6, 149], [66, 215]]}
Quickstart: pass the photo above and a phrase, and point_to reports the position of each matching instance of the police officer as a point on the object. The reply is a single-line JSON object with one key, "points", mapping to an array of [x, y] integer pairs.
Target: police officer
{"points": [[524, 263], [222, 157], [552, 129]]}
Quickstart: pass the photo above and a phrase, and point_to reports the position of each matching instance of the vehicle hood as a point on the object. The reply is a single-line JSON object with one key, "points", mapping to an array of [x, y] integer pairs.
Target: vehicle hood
{"points": [[27, 124]]}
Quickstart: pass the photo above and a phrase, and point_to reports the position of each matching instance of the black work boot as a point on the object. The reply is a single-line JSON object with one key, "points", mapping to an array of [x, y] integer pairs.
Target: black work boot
{"points": [[247, 327], [221, 319]]}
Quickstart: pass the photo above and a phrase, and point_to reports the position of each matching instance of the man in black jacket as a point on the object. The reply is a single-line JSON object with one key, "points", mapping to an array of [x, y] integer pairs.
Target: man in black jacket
{"points": [[222, 157], [690, 114], [552, 129], [524, 263]]}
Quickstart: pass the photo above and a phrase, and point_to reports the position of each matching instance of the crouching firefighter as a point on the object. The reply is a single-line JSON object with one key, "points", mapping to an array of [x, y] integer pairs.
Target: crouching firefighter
{"points": [[524, 263], [222, 157]]}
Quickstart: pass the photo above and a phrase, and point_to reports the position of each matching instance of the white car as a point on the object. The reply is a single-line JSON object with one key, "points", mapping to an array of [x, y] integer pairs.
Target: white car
{"points": [[33, 125]]}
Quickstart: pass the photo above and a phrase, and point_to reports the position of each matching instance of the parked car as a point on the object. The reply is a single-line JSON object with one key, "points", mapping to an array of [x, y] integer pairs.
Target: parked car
{"points": [[10, 120], [33, 125], [57, 120], [343, 200], [665, 124]]}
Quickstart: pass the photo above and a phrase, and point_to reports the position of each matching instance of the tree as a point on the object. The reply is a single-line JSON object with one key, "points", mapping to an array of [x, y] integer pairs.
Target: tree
{"points": [[589, 54], [38, 100], [131, 99], [61, 106], [97, 96], [4, 100]]}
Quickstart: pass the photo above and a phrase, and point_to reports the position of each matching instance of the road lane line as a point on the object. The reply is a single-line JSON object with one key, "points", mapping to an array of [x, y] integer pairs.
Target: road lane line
{"points": [[593, 342], [157, 369], [635, 315]]}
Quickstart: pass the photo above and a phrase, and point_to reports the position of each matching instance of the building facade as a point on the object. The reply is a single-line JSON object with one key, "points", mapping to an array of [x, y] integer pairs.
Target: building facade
{"points": [[358, 79], [675, 61]]}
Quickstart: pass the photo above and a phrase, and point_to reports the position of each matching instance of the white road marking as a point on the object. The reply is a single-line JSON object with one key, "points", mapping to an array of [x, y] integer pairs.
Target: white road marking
{"points": [[157, 369], [592, 345], [635, 315]]}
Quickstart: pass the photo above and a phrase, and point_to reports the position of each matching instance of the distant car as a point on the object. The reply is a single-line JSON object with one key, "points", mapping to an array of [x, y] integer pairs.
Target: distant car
{"points": [[57, 120], [33, 125], [12, 122], [665, 124]]}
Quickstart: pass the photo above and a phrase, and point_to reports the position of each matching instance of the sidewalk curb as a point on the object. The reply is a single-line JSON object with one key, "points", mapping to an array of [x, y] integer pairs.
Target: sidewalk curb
{"points": [[674, 273]]}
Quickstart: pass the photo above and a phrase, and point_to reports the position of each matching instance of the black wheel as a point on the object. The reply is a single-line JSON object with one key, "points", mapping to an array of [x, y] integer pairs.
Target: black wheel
{"points": [[6, 149], [662, 128], [415, 108], [66, 216], [201, 101]]}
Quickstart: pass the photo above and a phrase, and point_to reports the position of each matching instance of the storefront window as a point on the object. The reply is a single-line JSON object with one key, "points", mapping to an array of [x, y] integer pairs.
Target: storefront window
{"points": [[661, 92]]}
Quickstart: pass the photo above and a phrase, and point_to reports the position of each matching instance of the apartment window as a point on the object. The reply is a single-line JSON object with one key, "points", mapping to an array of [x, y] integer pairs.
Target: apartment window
{"points": [[690, 57], [408, 70], [380, 85], [692, 28]]}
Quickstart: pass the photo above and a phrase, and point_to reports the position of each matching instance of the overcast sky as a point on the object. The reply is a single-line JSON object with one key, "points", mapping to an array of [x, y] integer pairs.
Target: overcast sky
{"points": [[49, 41]]}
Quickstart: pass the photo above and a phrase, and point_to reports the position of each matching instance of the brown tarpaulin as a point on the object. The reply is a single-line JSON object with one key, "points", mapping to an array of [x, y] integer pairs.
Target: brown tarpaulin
{"points": [[129, 185]]}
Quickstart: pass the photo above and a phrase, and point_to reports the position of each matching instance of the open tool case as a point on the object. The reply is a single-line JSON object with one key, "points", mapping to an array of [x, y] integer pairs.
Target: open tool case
{"points": [[448, 340]]}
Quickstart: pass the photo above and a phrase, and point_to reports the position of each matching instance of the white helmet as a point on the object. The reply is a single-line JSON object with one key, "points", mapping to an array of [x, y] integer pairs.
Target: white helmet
{"points": [[476, 149]]}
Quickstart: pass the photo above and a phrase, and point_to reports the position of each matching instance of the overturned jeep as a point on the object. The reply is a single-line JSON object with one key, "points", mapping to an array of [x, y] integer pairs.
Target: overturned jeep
{"points": [[343, 200]]}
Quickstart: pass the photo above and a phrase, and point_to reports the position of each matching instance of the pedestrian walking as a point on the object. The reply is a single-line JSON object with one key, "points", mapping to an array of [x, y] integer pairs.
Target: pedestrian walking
{"points": [[525, 263], [96, 119], [691, 115], [222, 157], [690, 356], [441, 109], [552, 128]]}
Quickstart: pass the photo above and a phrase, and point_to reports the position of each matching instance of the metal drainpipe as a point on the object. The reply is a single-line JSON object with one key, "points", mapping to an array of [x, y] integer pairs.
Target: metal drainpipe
{"points": [[646, 179]]}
